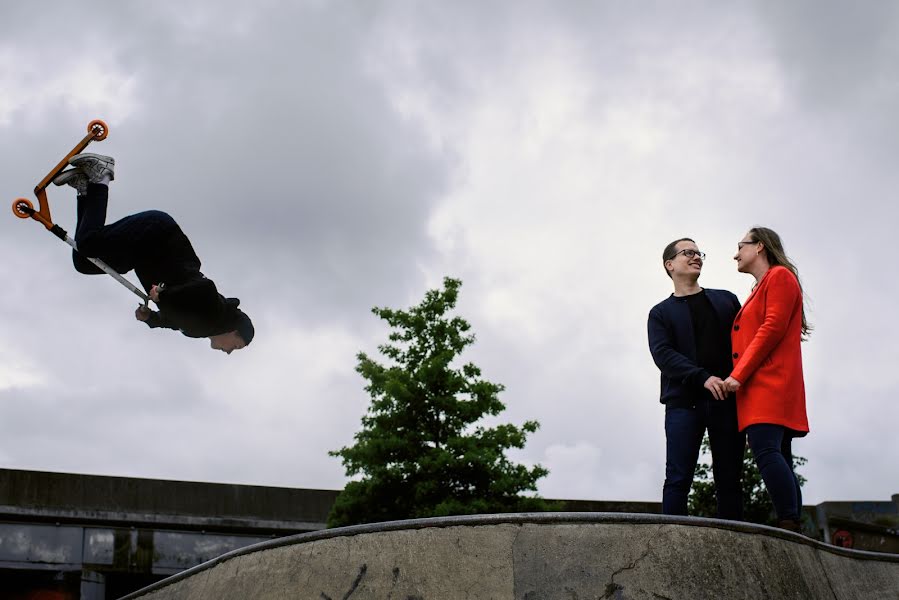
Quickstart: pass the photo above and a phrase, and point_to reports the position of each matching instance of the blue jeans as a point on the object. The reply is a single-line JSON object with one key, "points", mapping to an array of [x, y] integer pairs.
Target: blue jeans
{"points": [[684, 428], [150, 242], [771, 446]]}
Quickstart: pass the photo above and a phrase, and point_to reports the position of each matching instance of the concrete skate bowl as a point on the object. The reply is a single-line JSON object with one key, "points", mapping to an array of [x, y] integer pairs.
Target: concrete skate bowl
{"points": [[539, 556]]}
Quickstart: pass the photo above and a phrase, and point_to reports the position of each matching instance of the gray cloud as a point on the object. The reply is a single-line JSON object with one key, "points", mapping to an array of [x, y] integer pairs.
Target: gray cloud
{"points": [[327, 158]]}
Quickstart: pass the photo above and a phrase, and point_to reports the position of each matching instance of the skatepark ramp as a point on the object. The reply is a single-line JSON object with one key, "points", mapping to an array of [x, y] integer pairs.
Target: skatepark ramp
{"points": [[539, 556]]}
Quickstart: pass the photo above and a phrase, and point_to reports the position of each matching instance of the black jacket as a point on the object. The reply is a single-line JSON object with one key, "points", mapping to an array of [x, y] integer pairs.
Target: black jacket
{"points": [[195, 308], [673, 346], [189, 302]]}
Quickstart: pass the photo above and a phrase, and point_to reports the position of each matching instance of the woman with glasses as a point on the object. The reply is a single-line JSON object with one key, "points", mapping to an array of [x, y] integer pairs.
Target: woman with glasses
{"points": [[767, 373]]}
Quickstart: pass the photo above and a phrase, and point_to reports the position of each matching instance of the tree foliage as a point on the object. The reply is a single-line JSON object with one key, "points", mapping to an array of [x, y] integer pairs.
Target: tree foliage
{"points": [[757, 506], [419, 453]]}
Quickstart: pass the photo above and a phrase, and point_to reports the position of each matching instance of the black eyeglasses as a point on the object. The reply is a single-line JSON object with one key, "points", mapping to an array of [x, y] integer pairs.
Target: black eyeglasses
{"points": [[741, 244], [689, 253]]}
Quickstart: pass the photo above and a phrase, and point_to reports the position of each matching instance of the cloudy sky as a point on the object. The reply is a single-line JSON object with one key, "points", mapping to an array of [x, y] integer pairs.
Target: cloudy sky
{"points": [[328, 157]]}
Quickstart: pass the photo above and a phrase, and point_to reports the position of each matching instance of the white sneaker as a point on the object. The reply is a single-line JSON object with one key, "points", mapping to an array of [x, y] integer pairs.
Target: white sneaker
{"points": [[96, 166], [75, 178]]}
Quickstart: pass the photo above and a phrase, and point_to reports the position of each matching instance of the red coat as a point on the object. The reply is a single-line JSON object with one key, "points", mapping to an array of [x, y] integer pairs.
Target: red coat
{"points": [[767, 357]]}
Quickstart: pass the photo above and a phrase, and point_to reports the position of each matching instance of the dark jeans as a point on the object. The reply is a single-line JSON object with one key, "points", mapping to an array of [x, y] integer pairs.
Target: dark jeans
{"points": [[684, 428], [143, 241], [771, 446]]}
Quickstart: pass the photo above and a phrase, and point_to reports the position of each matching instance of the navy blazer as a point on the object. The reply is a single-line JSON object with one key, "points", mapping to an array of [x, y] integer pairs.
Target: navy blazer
{"points": [[673, 346]]}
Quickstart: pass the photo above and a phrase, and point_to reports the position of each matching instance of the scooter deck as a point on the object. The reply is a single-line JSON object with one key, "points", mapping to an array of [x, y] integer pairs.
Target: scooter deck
{"points": [[23, 208]]}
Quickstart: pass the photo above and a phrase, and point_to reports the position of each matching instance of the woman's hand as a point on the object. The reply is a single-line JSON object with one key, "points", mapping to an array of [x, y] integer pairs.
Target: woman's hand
{"points": [[154, 293], [731, 384]]}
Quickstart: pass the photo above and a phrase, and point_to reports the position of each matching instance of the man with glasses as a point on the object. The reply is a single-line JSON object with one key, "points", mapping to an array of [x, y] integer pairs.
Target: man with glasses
{"points": [[689, 338]]}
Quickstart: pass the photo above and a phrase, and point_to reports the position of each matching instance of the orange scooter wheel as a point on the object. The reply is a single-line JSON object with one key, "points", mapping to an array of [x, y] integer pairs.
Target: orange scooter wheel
{"points": [[98, 128], [22, 208]]}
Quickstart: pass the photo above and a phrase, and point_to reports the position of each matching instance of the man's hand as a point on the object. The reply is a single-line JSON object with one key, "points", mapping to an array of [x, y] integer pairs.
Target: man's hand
{"points": [[142, 313], [716, 386], [154, 294], [731, 384]]}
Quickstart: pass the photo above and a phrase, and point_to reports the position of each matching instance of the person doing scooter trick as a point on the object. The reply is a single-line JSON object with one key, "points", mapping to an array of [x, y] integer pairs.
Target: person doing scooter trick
{"points": [[153, 245]]}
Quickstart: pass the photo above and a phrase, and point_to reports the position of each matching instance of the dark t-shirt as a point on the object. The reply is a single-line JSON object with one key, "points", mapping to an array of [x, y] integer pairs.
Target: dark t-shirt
{"points": [[712, 336]]}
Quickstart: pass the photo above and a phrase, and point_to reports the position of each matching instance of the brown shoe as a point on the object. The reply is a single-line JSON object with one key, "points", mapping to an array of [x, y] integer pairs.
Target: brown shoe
{"points": [[790, 525]]}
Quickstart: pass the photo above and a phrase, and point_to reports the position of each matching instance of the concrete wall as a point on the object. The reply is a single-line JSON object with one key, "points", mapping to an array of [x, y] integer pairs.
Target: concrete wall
{"points": [[540, 556], [134, 500]]}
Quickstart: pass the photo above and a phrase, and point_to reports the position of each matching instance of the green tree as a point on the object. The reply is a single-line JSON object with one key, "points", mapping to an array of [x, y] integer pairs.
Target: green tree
{"points": [[757, 507], [419, 453]]}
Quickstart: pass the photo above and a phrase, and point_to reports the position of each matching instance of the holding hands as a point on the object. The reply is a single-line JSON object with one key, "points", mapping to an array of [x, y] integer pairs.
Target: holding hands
{"points": [[716, 386], [731, 384], [720, 388]]}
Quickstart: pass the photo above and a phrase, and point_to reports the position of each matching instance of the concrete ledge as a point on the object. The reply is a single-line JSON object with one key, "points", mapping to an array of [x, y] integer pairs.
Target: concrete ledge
{"points": [[540, 556]]}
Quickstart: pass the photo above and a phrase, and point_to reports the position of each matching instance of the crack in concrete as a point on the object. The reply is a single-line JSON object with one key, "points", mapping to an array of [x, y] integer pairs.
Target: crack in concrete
{"points": [[512, 547], [393, 582], [362, 570], [612, 587], [307, 556], [613, 590], [205, 582], [826, 576]]}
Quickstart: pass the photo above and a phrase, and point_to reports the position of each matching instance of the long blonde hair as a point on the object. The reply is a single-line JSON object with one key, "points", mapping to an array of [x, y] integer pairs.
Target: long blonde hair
{"points": [[774, 250]]}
